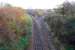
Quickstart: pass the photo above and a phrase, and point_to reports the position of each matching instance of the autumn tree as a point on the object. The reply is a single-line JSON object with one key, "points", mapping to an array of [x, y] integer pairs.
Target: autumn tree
{"points": [[17, 26]]}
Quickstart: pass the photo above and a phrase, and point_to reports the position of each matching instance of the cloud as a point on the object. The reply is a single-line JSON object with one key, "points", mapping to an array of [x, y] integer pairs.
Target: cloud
{"points": [[33, 4]]}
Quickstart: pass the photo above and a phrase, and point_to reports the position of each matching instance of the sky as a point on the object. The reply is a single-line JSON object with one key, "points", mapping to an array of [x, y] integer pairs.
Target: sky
{"points": [[34, 4]]}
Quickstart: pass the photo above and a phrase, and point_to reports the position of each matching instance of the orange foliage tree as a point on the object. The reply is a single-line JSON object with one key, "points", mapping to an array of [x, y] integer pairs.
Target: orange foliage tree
{"points": [[16, 22]]}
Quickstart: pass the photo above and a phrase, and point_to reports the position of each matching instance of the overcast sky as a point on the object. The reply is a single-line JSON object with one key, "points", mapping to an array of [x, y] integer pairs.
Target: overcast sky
{"points": [[33, 4]]}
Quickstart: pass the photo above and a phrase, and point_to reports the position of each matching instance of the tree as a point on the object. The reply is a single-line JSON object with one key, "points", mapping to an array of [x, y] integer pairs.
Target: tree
{"points": [[18, 28], [62, 24], [66, 8]]}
